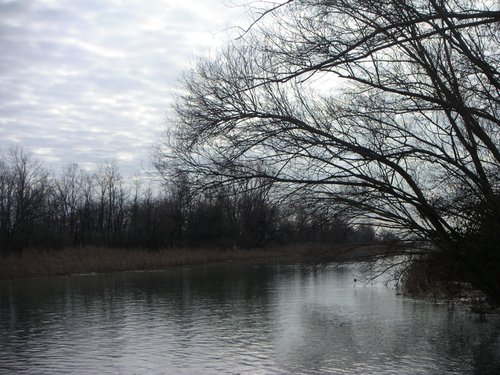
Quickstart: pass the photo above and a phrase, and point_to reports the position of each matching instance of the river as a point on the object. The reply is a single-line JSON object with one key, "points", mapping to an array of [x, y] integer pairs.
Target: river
{"points": [[236, 319]]}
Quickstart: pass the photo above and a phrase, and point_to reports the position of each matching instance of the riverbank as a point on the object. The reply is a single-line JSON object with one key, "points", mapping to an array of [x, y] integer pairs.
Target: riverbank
{"points": [[39, 263], [88, 260]]}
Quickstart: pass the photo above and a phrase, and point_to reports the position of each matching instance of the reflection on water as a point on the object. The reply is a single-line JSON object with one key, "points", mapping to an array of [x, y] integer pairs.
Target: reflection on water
{"points": [[235, 319]]}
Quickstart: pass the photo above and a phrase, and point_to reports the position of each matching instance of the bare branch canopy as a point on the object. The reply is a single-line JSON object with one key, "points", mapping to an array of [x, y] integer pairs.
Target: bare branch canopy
{"points": [[387, 109]]}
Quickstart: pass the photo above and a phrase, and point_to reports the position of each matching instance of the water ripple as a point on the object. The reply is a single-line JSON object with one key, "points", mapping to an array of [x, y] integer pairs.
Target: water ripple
{"points": [[247, 320]]}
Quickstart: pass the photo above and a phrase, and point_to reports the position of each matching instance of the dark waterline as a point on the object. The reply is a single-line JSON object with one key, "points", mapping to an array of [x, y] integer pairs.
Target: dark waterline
{"points": [[235, 319]]}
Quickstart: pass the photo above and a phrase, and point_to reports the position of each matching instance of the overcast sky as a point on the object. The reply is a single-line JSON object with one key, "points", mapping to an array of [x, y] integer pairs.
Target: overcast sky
{"points": [[89, 81]]}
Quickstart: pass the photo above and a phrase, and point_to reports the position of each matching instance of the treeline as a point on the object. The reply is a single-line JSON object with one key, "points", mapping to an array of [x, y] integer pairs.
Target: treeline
{"points": [[76, 208]]}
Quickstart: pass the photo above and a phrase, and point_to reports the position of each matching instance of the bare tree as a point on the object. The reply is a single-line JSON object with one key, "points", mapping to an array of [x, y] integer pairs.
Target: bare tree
{"points": [[24, 190], [70, 198], [7, 204], [388, 110], [112, 196]]}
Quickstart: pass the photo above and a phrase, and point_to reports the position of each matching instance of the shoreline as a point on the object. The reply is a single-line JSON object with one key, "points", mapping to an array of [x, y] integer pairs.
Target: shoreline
{"points": [[38, 263]]}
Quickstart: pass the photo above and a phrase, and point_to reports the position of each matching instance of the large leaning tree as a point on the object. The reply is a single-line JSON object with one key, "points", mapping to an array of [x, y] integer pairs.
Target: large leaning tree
{"points": [[388, 109]]}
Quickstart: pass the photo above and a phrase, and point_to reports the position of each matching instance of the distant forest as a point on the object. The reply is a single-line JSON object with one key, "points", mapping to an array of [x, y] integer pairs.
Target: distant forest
{"points": [[39, 209]]}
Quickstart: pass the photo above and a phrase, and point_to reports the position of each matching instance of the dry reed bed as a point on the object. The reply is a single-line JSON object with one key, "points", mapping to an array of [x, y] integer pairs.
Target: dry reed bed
{"points": [[37, 263]]}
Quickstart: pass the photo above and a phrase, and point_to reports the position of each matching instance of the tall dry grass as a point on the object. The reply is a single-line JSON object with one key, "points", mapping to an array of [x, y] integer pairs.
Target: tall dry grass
{"points": [[37, 263]]}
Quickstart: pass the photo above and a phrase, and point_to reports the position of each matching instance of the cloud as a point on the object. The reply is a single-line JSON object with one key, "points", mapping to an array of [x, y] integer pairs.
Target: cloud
{"points": [[91, 80]]}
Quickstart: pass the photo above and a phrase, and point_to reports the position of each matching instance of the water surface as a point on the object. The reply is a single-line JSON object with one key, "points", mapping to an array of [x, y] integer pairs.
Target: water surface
{"points": [[250, 319]]}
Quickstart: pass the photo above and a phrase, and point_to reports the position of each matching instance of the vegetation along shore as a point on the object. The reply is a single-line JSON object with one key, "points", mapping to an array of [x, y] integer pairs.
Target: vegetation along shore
{"points": [[40, 263]]}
